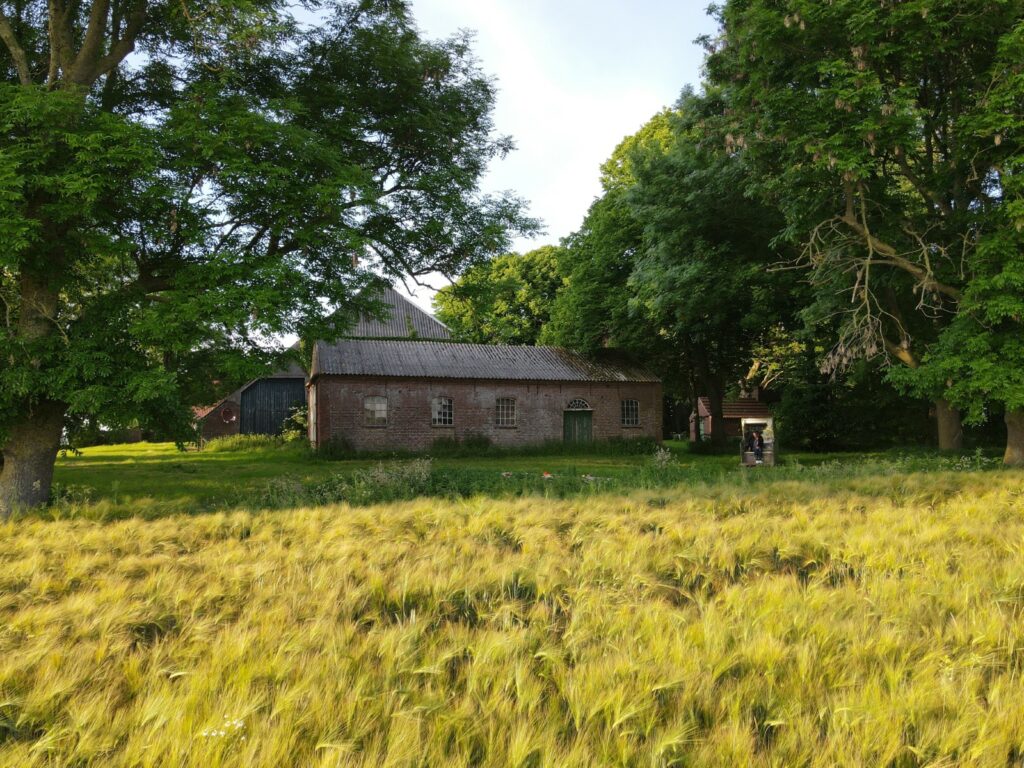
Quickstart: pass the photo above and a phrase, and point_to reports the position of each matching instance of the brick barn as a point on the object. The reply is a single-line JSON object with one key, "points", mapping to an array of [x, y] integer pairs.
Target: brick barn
{"points": [[261, 406], [387, 394]]}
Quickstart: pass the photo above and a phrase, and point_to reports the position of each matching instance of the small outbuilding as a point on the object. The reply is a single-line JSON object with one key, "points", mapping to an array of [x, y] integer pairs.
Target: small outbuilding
{"points": [[260, 407], [733, 414], [387, 394]]}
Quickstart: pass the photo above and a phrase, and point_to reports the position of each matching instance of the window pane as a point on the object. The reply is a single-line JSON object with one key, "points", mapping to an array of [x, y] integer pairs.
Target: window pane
{"points": [[442, 412], [505, 412], [631, 413], [375, 411]]}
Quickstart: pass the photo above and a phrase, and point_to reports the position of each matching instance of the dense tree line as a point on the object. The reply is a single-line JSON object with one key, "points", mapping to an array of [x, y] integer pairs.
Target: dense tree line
{"points": [[838, 212]]}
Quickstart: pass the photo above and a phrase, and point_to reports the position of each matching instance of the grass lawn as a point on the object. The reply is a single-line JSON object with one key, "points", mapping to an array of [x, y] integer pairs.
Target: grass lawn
{"points": [[866, 611], [154, 479]]}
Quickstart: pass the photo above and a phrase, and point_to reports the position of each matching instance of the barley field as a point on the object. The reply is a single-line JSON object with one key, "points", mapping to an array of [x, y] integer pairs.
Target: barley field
{"points": [[826, 618]]}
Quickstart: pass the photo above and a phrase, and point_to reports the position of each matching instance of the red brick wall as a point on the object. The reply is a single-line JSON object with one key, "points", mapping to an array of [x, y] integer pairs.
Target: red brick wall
{"points": [[213, 425], [539, 409]]}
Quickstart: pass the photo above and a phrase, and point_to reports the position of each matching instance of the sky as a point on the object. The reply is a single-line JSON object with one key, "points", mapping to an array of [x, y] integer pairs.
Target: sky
{"points": [[574, 78]]}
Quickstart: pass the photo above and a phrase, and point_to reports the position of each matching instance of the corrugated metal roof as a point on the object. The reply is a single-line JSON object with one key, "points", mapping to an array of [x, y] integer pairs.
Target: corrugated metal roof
{"points": [[744, 408], [400, 319], [438, 360]]}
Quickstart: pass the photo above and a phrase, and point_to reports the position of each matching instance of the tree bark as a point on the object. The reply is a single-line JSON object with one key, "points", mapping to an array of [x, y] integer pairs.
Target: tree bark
{"points": [[29, 456], [714, 390], [34, 437], [715, 400], [951, 430], [1014, 456]]}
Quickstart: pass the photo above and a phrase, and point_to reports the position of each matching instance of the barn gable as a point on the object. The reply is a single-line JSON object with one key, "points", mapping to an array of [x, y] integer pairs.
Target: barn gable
{"points": [[399, 319]]}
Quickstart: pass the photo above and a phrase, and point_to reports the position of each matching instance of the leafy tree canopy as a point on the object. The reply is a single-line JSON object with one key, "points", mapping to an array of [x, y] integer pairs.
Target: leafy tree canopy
{"points": [[592, 310], [504, 301], [703, 274], [182, 182], [864, 119]]}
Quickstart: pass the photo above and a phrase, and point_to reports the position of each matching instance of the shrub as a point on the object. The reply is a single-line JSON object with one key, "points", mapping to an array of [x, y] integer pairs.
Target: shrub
{"points": [[662, 458], [480, 446], [296, 426]]}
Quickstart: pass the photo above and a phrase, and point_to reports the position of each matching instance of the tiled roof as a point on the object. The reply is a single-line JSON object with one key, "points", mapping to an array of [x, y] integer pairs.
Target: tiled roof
{"points": [[744, 408], [201, 412], [400, 319], [439, 360]]}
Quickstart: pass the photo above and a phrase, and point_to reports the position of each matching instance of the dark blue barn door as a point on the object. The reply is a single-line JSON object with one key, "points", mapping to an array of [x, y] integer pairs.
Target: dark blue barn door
{"points": [[268, 402]]}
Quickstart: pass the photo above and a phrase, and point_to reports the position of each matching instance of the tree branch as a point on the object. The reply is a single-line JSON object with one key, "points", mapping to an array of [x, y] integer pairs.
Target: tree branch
{"points": [[894, 259], [915, 180], [901, 353], [124, 46], [15, 49], [61, 40], [90, 49]]}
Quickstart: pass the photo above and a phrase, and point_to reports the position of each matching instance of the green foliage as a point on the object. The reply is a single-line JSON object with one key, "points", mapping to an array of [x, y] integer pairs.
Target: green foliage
{"points": [[672, 261], [506, 300], [592, 310], [481, 447], [235, 443], [703, 274], [296, 427], [166, 216], [887, 134], [980, 357], [856, 410]]}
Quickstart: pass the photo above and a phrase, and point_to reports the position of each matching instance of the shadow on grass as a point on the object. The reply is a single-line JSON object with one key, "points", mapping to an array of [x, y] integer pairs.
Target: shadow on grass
{"points": [[153, 481]]}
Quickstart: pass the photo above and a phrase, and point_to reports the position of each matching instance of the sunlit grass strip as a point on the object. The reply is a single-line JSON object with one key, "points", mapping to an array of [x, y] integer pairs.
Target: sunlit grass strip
{"points": [[864, 621]]}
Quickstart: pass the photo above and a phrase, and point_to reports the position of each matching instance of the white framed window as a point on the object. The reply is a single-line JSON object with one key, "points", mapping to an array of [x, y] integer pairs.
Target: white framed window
{"points": [[505, 412], [375, 411], [579, 404], [631, 413], [442, 412]]}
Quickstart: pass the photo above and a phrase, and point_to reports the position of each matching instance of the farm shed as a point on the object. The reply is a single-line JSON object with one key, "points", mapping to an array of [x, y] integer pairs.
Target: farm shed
{"points": [[258, 408], [733, 413], [376, 394]]}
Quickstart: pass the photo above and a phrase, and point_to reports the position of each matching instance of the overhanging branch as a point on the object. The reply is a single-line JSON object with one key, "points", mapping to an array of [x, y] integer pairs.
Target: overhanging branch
{"points": [[893, 258], [15, 49]]}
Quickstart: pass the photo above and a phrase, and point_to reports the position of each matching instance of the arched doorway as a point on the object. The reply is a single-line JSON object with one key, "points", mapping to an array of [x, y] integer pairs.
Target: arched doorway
{"points": [[578, 422]]}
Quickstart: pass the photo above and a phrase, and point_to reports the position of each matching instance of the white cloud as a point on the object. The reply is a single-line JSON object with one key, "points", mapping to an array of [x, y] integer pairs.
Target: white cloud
{"points": [[575, 77]]}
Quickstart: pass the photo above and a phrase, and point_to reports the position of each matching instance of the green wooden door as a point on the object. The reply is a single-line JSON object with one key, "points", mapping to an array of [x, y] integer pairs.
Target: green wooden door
{"points": [[578, 426]]}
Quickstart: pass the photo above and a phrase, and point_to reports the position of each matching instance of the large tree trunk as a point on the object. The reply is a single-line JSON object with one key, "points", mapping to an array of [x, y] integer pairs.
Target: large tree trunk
{"points": [[1014, 456], [29, 456], [951, 429], [715, 400], [34, 436], [714, 390]]}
